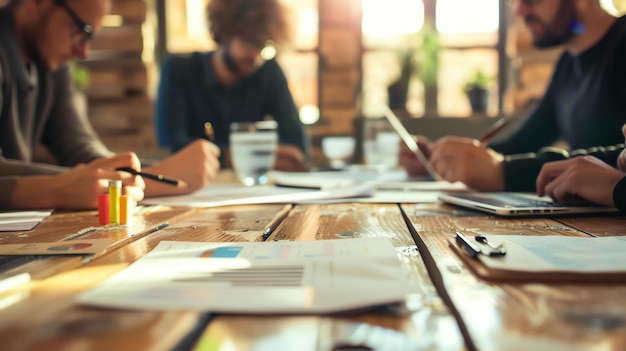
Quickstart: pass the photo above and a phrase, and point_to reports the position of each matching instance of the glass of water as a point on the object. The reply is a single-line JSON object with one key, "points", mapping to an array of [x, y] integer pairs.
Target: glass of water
{"points": [[253, 150]]}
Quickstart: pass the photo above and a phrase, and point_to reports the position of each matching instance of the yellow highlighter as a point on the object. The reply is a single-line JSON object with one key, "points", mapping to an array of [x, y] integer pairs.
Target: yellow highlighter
{"points": [[115, 190]]}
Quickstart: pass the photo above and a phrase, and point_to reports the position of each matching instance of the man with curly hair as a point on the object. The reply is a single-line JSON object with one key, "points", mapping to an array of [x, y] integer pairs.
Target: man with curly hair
{"points": [[234, 83]]}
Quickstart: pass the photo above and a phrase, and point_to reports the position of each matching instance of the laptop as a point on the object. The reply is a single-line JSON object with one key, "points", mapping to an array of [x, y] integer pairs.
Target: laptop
{"points": [[519, 204]]}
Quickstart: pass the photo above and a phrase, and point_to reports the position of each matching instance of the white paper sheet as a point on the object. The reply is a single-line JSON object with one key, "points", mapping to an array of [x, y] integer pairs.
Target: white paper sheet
{"points": [[384, 180], [21, 220], [559, 254], [326, 179], [228, 195], [258, 277]]}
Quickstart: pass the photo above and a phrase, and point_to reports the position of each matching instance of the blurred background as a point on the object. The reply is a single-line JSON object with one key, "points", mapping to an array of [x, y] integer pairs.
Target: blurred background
{"points": [[346, 58]]}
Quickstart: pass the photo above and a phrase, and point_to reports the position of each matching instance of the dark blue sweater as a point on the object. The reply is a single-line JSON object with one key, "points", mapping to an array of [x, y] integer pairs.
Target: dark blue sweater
{"points": [[190, 94]]}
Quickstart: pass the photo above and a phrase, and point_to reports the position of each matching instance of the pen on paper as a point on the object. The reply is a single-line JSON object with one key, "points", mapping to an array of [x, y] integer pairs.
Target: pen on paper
{"points": [[208, 131], [494, 130], [155, 177]]}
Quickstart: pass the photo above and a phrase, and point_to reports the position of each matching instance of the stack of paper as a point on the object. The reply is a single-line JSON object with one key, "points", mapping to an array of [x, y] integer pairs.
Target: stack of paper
{"points": [[258, 277], [551, 258], [228, 195], [21, 220]]}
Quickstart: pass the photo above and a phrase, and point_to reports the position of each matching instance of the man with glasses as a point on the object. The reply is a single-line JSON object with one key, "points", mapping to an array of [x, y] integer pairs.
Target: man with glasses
{"points": [[239, 82], [37, 38], [584, 105]]}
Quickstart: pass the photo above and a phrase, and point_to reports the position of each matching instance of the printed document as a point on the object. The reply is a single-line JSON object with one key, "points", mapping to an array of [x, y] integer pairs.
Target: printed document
{"points": [[258, 277], [558, 254]]}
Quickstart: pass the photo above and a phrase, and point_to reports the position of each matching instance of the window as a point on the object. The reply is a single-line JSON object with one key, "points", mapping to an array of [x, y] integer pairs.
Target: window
{"points": [[456, 37]]}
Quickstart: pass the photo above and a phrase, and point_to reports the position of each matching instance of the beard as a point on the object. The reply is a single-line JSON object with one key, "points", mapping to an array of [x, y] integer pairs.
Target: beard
{"points": [[558, 30], [240, 67]]}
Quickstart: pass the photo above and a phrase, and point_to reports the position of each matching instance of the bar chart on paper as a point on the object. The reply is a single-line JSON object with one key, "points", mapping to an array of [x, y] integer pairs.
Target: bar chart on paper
{"points": [[282, 277]]}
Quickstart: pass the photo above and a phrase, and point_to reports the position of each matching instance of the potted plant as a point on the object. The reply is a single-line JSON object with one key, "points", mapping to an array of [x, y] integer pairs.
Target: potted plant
{"points": [[80, 80], [398, 91], [476, 89]]}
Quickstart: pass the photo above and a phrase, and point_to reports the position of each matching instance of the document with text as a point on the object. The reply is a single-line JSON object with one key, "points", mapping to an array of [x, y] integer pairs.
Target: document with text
{"points": [[311, 277]]}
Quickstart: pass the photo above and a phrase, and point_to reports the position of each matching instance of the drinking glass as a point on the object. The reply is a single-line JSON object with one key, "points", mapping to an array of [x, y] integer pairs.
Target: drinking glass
{"points": [[253, 150]]}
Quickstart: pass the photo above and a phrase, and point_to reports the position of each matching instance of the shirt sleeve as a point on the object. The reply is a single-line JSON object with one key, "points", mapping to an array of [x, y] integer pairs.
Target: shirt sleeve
{"points": [[171, 119], [10, 169], [619, 195], [6, 185], [521, 171], [283, 109], [68, 133]]}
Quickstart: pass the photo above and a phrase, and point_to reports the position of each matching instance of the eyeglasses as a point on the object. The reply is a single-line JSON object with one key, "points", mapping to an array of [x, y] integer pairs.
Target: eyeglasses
{"points": [[85, 30]]}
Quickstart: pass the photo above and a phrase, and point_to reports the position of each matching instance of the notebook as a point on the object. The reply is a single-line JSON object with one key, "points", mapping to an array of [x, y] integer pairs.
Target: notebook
{"points": [[518, 204]]}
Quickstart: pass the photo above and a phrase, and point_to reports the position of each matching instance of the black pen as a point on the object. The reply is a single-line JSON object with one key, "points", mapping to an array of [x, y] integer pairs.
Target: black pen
{"points": [[157, 228], [470, 248], [155, 177]]}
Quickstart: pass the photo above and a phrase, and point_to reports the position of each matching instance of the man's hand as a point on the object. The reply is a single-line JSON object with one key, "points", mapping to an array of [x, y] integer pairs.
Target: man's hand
{"points": [[197, 165], [289, 158], [468, 161], [584, 177], [79, 187]]}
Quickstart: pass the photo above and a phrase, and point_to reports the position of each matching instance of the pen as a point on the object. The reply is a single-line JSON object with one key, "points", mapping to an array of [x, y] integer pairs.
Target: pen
{"points": [[494, 129], [470, 248], [155, 177], [156, 229], [273, 224], [208, 131]]}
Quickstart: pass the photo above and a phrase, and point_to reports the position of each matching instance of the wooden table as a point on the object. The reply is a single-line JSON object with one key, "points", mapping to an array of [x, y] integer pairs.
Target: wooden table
{"points": [[450, 309]]}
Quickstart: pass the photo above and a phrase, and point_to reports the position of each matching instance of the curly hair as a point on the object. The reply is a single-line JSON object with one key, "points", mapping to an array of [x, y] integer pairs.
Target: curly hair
{"points": [[254, 20]]}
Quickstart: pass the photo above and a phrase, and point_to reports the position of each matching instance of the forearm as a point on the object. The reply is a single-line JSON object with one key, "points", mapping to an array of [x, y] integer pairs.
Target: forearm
{"points": [[25, 193], [10, 167]]}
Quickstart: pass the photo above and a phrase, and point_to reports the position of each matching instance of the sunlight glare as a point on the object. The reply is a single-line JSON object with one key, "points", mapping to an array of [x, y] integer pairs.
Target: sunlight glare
{"points": [[383, 18], [464, 17]]}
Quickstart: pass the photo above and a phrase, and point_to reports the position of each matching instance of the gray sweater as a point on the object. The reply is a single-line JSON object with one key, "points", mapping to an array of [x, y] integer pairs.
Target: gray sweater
{"points": [[37, 108]]}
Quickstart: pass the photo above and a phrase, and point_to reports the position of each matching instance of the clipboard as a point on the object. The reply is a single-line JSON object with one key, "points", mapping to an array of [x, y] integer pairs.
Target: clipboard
{"points": [[482, 271]]}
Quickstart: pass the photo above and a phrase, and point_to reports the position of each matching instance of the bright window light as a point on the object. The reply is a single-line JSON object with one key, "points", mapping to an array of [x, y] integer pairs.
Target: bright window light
{"points": [[196, 20], [309, 114], [466, 17], [383, 18]]}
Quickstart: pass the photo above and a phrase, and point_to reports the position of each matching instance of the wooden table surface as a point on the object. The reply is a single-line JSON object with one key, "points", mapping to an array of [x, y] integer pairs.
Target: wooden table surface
{"points": [[450, 310]]}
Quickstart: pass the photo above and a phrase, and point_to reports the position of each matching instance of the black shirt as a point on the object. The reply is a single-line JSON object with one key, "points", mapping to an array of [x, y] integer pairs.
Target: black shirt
{"points": [[585, 106]]}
